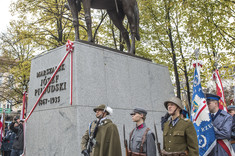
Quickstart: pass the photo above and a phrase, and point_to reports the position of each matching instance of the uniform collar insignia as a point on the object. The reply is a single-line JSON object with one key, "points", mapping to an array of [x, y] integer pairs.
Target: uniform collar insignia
{"points": [[141, 126], [174, 122]]}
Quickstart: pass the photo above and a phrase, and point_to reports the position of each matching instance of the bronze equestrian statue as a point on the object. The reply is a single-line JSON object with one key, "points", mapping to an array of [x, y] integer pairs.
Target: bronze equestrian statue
{"points": [[116, 9]]}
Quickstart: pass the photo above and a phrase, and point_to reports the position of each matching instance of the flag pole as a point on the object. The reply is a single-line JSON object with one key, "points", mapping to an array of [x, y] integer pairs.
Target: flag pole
{"points": [[196, 51]]}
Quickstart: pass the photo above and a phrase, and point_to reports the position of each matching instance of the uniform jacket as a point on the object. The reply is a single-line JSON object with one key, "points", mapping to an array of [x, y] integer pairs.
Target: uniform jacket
{"points": [[181, 137], [149, 146], [107, 139], [222, 126]]}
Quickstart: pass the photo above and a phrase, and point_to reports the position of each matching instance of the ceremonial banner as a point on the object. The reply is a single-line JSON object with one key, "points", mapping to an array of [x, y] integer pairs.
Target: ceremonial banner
{"points": [[200, 117], [219, 90]]}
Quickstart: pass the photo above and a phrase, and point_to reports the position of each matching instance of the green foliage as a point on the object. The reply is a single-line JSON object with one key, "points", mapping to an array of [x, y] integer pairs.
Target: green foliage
{"points": [[47, 22], [15, 67]]}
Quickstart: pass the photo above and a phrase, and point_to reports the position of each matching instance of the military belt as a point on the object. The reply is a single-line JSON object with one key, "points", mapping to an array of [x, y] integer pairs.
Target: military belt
{"points": [[136, 154], [165, 153]]}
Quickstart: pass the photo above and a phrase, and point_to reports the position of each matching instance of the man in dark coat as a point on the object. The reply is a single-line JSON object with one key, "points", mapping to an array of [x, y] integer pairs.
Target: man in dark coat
{"points": [[142, 140], [8, 142], [179, 134], [18, 145], [106, 140]]}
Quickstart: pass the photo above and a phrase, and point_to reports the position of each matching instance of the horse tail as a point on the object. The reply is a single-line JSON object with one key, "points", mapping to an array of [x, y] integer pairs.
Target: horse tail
{"points": [[136, 10]]}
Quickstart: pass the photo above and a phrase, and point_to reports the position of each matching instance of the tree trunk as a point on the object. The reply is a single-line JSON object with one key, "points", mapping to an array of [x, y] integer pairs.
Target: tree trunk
{"points": [[184, 67], [172, 49]]}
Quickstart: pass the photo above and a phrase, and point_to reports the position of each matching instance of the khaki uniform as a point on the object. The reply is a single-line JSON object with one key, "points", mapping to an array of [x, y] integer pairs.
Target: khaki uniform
{"points": [[107, 139], [181, 137]]}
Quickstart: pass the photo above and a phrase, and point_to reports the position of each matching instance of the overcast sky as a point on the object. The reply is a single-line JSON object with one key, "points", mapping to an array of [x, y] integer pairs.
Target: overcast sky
{"points": [[5, 15]]}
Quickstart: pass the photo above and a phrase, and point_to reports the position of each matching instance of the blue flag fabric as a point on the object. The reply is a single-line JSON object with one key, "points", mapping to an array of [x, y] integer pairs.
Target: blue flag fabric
{"points": [[201, 118]]}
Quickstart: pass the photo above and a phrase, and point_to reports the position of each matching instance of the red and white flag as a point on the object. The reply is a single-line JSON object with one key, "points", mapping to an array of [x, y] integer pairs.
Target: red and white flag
{"points": [[219, 90], [1, 130], [22, 114]]}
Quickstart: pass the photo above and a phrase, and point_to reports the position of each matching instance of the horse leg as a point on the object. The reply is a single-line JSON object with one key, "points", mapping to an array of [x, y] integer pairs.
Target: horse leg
{"points": [[132, 51], [117, 19], [130, 10], [75, 8], [87, 10], [131, 22], [135, 26]]}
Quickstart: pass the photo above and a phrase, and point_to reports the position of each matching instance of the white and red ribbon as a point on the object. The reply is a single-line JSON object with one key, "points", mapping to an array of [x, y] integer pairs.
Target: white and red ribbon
{"points": [[69, 46], [70, 49], [197, 63]]}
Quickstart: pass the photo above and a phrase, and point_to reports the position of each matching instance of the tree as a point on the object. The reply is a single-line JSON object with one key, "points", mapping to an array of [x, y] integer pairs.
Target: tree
{"points": [[166, 39], [210, 25], [15, 67], [46, 22], [49, 22]]}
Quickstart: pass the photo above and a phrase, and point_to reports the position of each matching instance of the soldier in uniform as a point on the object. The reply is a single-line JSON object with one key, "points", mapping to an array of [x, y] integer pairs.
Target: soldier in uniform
{"points": [[222, 122], [106, 141], [179, 134], [231, 111], [142, 140]]}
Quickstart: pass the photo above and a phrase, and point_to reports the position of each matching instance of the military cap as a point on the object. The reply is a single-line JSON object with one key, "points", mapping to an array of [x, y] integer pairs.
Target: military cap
{"points": [[103, 107], [231, 107], [212, 97], [139, 111], [100, 107], [174, 100]]}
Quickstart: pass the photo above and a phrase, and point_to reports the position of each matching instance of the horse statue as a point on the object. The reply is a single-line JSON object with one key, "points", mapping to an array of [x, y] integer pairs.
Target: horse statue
{"points": [[117, 10]]}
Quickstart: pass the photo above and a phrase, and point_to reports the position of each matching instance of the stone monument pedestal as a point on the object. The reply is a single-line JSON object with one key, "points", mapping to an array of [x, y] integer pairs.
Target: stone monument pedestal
{"points": [[100, 76]]}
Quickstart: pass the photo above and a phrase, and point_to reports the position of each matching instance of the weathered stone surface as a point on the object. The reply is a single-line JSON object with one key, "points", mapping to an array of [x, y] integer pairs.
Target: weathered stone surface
{"points": [[100, 76]]}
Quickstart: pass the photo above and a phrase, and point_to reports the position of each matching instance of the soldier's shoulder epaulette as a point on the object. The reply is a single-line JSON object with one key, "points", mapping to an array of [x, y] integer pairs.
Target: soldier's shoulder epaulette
{"points": [[223, 113]]}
